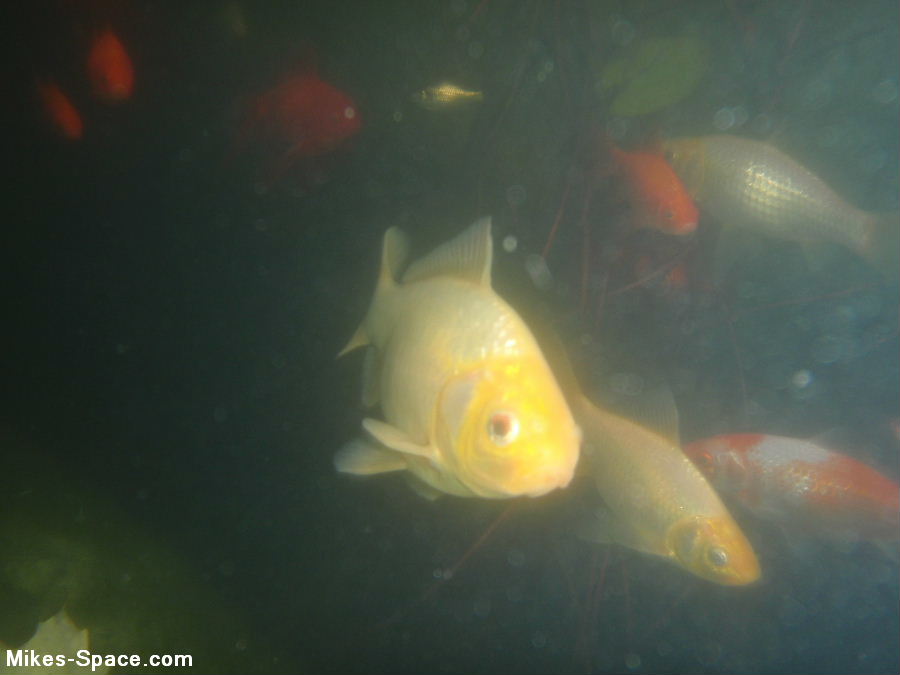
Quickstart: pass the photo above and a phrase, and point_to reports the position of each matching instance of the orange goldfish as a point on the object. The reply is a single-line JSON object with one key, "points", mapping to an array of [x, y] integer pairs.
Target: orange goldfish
{"points": [[656, 192], [301, 117], [797, 483], [752, 184], [60, 111], [109, 68]]}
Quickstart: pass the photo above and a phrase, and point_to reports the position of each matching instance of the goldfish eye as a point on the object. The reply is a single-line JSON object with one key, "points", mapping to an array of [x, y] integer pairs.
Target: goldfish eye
{"points": [[503, 428], [717, 556]]}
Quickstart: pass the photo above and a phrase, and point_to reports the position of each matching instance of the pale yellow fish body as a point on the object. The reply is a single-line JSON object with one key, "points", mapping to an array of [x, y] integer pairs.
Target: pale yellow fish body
{"points": [[445, 95], [655, 500], [752, 184], [470, 406]]}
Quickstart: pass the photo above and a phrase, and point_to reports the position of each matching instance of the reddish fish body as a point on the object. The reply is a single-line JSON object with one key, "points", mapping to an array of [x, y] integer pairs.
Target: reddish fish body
{"points": [[657, 194], [110, 69], [60, 111], [301, 117], [797, 483]]}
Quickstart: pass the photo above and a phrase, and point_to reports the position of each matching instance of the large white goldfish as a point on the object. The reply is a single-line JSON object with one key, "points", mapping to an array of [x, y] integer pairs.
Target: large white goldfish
{"points": [[754, 185], [470, 405]]}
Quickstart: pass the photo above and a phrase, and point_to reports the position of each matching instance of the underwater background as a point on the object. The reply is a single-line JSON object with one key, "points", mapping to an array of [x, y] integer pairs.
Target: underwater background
{"points": [[172, 400]]}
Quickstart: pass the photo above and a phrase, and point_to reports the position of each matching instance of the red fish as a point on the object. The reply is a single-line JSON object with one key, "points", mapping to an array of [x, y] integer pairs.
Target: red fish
{"points": [[109, 68], [799, 484], [657, 194], [299, 118], [60, 111]]}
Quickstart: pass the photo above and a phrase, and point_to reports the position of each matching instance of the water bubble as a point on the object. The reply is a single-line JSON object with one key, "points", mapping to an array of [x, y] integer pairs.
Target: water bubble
{"points": [[664, 648], [724, 119], [874, 160], [241, 644], [482, 608], [476, 49], [762, 123], [397, 116], [510, 243], [622, 32], [438, 573], [514, 594], [548, 66], [458, 7], [740, 115], [515, 557], [885, 91], [537, 270], [818, 93], [628, 384], [802, 379], [463, 33], [617, 127], [515, 195], [632, 661], [539, 639], [541, 76]]}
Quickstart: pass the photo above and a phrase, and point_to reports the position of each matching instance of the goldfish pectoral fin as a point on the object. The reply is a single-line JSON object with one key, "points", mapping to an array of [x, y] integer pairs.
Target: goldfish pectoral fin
{"points": [[422, 488], [395, 439], [466, 256], [360, 339], [364, 458]]}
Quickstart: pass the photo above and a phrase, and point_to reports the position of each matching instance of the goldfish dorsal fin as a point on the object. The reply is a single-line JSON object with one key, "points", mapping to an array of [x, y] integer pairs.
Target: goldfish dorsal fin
{"points": [[394, 249], [656, 410], [466, 256]]}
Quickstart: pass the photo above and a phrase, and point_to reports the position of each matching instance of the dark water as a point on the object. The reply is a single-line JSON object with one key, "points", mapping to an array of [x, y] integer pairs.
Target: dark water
{"points": [[172, 401]]}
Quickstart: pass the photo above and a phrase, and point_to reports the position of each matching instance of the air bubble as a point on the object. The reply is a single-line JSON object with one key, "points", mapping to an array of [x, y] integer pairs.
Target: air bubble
{"points": [[632, 661], [885, 92], [538, 271], [510, 243], [622, 32], [515, 557], [724, 119], [802, 379], [539, 639], [515, 195]]}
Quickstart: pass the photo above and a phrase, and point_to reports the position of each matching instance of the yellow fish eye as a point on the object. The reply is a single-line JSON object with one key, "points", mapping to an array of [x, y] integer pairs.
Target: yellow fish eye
{"points": [[717, 556], [503, 428]]}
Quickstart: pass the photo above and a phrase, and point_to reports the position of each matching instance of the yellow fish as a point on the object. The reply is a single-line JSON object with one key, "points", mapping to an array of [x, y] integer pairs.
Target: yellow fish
{"points": [[752, 184], [444, 95], [470, 405], [654, 499]]}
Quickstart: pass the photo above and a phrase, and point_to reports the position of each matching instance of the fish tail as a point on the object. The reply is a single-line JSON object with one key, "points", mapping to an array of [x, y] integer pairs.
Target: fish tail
{"points": [[393, 255], [882, 248]]}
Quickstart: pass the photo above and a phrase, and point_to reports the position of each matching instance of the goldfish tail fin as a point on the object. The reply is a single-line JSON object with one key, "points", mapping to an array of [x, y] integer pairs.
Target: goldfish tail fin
{"points": [[882, 248], [393, 256]]}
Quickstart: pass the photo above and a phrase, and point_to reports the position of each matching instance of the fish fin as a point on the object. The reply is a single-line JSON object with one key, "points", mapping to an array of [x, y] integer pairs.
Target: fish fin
{"points": [[882, 249], [421, 488], [370, 378], [466, 256], [395, 439], [654, 409], [602, 527], [394, 249], [363, 457]]}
